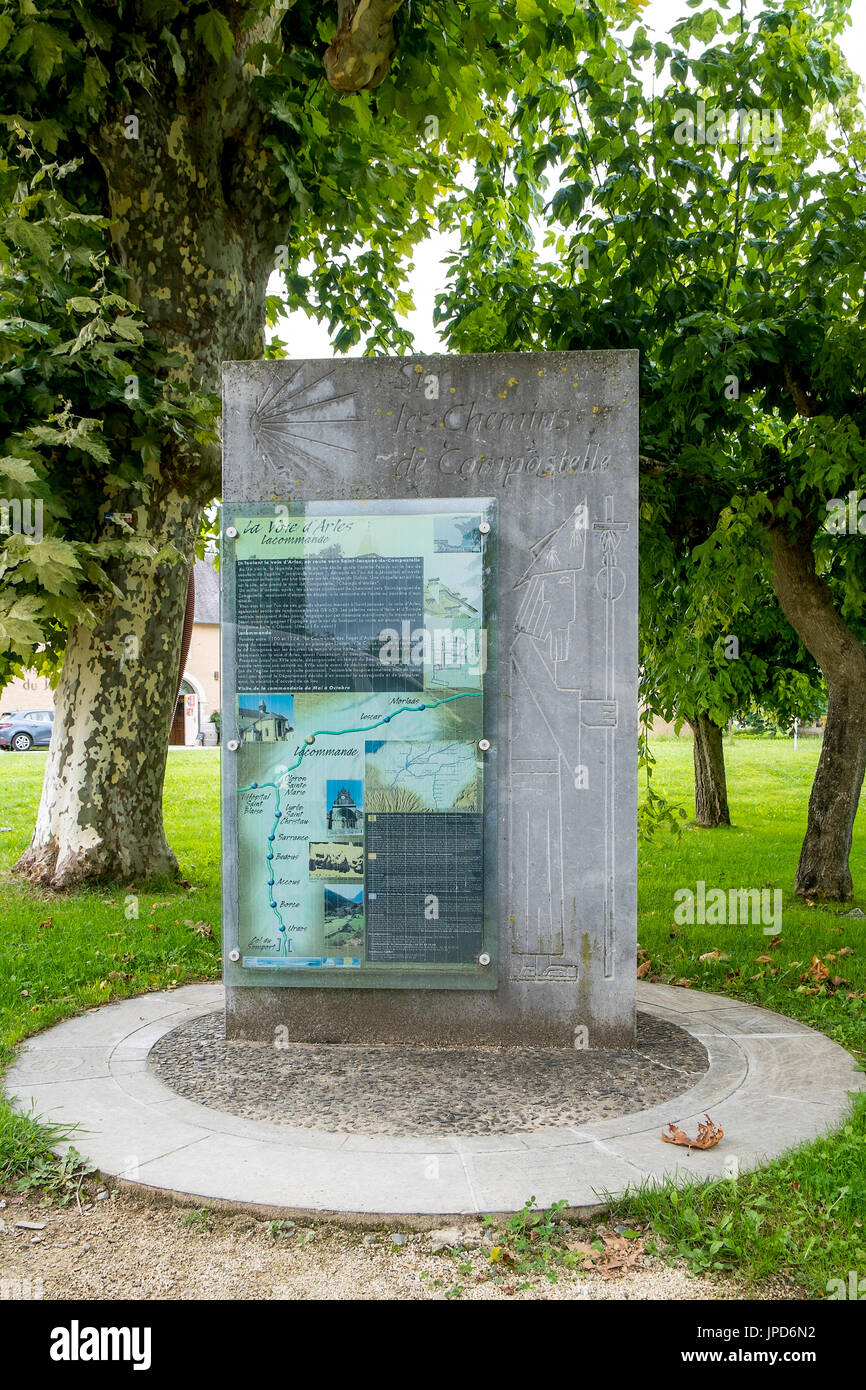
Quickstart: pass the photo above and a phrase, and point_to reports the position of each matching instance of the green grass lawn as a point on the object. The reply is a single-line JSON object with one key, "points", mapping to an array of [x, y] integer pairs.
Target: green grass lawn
{"points": [[60, 954], [768, 792], [801, 1216]]}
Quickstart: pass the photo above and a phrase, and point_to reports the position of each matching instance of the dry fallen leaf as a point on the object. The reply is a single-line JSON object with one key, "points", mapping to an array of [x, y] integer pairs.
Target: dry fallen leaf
{"points": [[708, 1135], [715, 954], [845, 951], [818, 970], [776, 941], [643, 969], [588, 1252], [619, 1256], [763, 960]]}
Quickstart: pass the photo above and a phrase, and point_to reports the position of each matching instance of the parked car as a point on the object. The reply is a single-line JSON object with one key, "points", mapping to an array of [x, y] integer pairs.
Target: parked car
{"points": [[27, 729]]}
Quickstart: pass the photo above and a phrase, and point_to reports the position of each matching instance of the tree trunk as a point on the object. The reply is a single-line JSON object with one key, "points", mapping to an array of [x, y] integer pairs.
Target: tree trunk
{"points": [[196, 231], [100, 815], [711, 792], [824, 871]]}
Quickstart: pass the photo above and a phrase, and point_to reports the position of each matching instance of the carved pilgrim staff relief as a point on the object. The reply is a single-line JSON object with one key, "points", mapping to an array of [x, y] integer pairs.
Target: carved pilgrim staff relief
{"points": [[547, 660]]}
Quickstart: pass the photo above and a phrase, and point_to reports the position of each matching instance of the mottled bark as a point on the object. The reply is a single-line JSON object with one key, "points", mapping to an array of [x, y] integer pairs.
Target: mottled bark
{"points": [[100, 815], [824, 870], [194, 224], [364, 45], [711, 792]]}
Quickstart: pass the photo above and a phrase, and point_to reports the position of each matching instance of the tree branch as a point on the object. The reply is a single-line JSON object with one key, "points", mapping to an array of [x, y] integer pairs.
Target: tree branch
{"points": [[807, 406], [364, 45], [808, 604]]}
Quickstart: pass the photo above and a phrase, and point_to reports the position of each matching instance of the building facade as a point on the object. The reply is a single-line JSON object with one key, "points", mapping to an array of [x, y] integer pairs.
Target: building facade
{"points": [[200, 687], [344, 814]]}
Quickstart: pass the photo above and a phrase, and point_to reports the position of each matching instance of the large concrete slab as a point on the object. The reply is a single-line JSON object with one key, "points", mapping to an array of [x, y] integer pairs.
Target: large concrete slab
{"points": [[770, 1084], [552, 439]]}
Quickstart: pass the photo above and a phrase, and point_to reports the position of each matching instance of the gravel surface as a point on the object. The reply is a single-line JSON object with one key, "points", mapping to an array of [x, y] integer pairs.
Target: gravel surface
{"points": [[408, 1091], [124, 1247]]}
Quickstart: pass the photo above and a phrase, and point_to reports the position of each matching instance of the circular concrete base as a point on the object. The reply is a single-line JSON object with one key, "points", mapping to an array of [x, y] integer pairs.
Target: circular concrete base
{"points": [[771, 1084]]}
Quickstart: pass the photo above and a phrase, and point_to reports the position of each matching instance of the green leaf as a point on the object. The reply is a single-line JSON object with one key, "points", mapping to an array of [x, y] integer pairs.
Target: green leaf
{"points": [[127, 329], [30, 237], [214, 31], [28, 606], [45, 50], [54, 561], [21, 471], [178, 61]]}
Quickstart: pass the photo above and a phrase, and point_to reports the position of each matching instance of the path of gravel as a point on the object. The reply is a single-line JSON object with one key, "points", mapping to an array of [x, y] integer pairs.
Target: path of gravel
{"points": [[407, 1091], [126, 1248]]}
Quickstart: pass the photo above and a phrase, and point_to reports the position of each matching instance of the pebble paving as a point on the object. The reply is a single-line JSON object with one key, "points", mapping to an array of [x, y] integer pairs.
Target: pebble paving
{"points": [[389, 1090]]}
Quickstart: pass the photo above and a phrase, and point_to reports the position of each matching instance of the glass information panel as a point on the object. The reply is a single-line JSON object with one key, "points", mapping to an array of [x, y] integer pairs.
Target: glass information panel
{"points": [[363, 638]]}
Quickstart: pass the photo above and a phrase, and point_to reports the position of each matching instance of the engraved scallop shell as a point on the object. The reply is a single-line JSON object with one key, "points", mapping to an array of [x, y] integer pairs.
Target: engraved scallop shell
{"points": [[305, 423]]}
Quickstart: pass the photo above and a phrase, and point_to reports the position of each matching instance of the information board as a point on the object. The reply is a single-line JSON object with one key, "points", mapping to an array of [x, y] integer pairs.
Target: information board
{"points": [[454, 856], [362, 642]]}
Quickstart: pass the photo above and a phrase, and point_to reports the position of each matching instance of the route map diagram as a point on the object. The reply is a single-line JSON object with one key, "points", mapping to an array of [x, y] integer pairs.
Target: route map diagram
{"points": [[395, 756], [421, 776]]}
